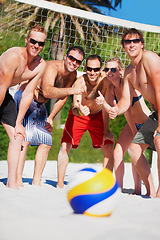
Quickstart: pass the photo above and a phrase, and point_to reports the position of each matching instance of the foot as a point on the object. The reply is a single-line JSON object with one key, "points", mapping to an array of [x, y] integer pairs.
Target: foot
{"points": [[20, 183], [158, 194], [10, 185], [60, 185], [151, 194]]}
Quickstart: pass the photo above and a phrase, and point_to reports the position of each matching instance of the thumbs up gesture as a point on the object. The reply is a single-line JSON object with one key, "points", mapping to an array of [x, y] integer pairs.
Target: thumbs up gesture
{"points": [[100, 100], [83, 110], [113, 111]]}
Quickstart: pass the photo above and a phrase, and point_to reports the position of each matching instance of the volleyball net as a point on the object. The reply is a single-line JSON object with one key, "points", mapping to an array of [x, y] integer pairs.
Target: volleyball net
{"points": [[68, 26]]}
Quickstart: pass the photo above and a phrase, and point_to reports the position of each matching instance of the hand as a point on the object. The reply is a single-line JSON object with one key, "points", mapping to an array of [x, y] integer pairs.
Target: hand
{"points": [[100, 100], [49, 125], [83, 109], [19, 130], [78, 88], [113, 111]]}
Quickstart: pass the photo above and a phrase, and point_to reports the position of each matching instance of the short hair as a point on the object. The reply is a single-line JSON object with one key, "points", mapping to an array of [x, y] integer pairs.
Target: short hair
{"points": [[116, 59], [131, 31], [37, 28], [76, 48], [94, 56]]}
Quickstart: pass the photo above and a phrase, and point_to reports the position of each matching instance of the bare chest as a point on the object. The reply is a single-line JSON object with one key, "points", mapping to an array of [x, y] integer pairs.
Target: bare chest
{"points": [[61, 81], [25, 72], [143, 83]]}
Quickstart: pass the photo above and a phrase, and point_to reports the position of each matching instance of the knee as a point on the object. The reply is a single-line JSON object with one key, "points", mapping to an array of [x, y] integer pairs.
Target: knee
{"points": [[16, 141], [65, 148], [118, 153], [157, 143]]}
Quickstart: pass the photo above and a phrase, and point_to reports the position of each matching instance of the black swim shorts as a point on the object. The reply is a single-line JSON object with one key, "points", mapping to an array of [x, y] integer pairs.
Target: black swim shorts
{"points": [[8, 112]]}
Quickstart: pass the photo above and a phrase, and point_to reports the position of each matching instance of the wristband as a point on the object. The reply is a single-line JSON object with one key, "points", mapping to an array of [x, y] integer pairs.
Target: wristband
{"points": [[80, 112]]}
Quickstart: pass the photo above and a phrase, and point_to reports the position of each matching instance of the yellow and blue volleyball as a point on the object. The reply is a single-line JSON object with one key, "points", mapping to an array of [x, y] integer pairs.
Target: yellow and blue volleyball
{"points": [[93, 193]]}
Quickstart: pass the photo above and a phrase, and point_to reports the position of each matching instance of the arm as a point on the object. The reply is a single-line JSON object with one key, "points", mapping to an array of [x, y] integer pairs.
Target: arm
{"points": [[8, 64], [108, 98], [78, 109], [26, 100], [48, 84], [56, 108], [130, 121], [125, 100], [103, 100], [151, 63]]}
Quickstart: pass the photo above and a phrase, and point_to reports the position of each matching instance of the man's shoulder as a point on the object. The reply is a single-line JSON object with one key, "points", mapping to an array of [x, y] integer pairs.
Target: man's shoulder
{"points": [[149, 55], [14, 51], [12, 56], [129, 72], [51, 65]]}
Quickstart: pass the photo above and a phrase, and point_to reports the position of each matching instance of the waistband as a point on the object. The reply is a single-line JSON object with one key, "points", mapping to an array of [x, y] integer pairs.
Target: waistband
{"points": [[154, 115]]}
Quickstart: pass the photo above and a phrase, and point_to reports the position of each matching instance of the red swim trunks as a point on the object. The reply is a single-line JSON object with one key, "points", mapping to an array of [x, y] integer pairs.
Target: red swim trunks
{"points": [[76, 126]]}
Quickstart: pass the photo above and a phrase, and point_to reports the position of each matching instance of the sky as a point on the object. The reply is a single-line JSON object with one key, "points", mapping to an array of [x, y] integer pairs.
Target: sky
{"points": [[142, 11]]}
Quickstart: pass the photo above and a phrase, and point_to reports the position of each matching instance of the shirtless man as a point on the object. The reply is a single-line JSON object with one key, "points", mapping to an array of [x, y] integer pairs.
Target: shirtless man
{"points": [[58, 75], [19, 64], [87, 115], [146, 64], [136, 115]]}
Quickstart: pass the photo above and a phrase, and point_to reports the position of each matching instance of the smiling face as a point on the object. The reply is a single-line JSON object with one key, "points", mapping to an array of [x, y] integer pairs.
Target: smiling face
{"points": [[113, 72], [93, 70], [73, 60], [133, 47], [32, 45]]}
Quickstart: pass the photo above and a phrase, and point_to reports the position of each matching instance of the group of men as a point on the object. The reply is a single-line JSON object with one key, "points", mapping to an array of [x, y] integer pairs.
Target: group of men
{"points": [[41, 81]]}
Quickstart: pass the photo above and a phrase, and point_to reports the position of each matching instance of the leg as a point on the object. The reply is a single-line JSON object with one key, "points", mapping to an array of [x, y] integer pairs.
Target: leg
{"points": [[157, 146], [40, 162], [14, 150], [63, 158], [108, 156], [137, 180], [22, 159], [119, 152], [142, 166]]}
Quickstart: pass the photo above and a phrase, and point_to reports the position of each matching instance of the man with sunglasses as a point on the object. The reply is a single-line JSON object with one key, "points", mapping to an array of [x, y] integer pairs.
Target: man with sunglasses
{"points": [[85, 115], [142, 74], [37, 126], [19, 64], [60, 75]]}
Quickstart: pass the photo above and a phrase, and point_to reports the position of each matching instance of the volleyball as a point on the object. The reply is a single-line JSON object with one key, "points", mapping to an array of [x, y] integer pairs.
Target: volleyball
{"points": [[94, 193]]}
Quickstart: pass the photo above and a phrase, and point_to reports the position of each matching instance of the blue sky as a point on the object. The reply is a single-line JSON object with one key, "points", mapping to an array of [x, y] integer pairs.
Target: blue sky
{"points": [[142, 11]]}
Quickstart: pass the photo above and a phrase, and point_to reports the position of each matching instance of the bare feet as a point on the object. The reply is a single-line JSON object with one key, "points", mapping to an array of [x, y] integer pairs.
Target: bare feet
{"points": [[60, 185], [158, 194], [151, 194], [13, 186], [20, 182]]}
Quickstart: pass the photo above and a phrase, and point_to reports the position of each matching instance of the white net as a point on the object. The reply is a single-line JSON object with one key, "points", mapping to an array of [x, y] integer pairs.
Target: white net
{"points": [[66, 26]]}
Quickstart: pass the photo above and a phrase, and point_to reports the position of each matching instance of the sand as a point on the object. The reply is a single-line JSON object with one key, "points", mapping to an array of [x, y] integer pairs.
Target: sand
{"points": [[43, 213]]}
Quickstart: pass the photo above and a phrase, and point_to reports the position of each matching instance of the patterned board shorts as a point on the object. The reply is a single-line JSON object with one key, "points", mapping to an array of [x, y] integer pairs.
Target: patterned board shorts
{"points": [[34, 122]]}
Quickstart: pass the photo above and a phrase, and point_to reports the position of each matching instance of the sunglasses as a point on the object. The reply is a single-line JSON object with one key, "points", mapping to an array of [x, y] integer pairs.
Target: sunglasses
{"points": [[94, 69], [33, 41], [128, 41], [113, 70], [73, 59]]}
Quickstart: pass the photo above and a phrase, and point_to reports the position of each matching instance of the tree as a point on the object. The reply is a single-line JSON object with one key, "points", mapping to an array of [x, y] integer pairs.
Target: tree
{"points": [[62, 26]]}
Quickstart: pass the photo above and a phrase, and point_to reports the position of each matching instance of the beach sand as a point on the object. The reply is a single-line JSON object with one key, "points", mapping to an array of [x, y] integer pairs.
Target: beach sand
{"points": [[43, 213]]}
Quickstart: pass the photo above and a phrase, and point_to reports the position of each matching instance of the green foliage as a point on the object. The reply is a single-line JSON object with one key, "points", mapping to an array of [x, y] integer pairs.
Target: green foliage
{"points": [[85, 153], [4, 143], [65, 109]]}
